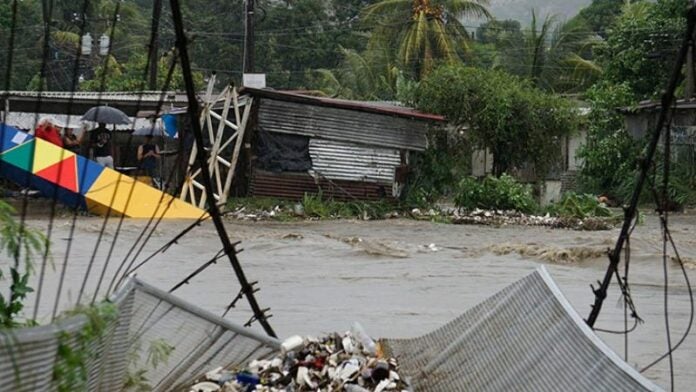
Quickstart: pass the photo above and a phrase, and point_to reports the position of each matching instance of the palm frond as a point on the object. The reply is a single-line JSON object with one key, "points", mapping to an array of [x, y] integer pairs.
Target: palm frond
{"points": [[467, 8], [386, 8]]}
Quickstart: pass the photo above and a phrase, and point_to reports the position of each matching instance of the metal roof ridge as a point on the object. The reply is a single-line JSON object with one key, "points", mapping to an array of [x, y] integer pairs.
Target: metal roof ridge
{"points": [[342, 104]]}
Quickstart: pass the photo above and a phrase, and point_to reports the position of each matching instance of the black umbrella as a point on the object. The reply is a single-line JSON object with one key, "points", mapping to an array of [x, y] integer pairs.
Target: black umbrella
{"points": [[107, 115]]}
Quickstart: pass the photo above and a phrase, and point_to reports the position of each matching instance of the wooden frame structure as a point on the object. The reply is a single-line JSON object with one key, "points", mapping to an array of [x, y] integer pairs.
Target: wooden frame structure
{"points": [[221, 136]]}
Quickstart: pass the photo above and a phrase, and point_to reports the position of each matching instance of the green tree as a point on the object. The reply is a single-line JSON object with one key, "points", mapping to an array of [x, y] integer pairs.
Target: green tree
{"points": [[518, 123], [24, 61], [645, 38], [295, 40], [499, 32], [598, 17], [550, 55], [423, 32], [359, 77], [130, 76]]}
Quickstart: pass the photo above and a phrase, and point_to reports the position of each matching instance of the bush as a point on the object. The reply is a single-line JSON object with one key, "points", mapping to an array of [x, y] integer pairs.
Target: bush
{"points": [[316, 206], [502, 193], [682, 184], [580, 206]]}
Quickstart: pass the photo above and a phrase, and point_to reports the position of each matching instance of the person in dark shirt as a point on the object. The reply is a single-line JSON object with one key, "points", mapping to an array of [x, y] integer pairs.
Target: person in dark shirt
{"points": [[100, 146], [148, 154], [71, 141]]}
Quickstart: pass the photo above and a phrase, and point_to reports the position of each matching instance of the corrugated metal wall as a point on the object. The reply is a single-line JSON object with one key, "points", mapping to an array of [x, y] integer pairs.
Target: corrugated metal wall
{"points": [[342, 125], [293, 186], [347, 161]]}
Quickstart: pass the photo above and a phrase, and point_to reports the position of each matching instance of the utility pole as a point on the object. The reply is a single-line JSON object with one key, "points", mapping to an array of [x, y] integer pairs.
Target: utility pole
{"points": [[154, 44], [249, 36], [690, 77]]}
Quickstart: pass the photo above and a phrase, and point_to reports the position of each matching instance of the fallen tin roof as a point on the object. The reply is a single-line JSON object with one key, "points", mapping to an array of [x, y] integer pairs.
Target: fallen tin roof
{"points": [[527, 337]]}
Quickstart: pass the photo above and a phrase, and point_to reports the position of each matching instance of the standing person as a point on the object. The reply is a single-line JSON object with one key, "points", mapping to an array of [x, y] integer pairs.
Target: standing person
{"points": [[71, 141], [101, 149], [148, 155], [48, 131]]}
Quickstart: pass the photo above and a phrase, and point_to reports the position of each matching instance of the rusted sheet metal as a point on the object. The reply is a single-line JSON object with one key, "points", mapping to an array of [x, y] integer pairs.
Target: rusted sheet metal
{"points": [[351, 162], [293, 186], [381, 107], [341, 124]]}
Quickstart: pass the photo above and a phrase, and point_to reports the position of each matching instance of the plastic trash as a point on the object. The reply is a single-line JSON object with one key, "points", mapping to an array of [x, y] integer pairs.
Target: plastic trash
{"points": [[205, 386], [248, 379], [365, 340], [292, 343], [354, 388]]}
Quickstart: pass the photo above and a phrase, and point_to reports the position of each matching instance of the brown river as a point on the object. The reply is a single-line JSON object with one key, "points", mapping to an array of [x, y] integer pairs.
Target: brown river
{"points": [[398, 278]]}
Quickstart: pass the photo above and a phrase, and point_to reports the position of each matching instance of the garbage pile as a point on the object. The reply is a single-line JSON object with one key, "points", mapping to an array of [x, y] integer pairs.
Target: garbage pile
{"points": [[504, 218], [350, 362]]}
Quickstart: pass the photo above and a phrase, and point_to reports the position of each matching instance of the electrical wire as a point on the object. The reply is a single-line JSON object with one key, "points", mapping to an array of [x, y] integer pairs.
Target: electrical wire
{"points": [[105, 66]]}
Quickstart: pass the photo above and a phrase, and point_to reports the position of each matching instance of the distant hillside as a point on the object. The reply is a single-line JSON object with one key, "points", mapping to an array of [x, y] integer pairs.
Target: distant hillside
{"points": [[521, 10]]}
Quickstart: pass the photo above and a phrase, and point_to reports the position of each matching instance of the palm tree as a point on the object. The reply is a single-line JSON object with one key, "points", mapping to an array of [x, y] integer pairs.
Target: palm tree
{"points": [[553, 56], [422, 32]]}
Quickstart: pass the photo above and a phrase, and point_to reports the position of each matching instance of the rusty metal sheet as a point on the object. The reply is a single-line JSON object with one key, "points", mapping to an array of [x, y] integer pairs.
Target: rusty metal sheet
{"points": [[371, 129]]}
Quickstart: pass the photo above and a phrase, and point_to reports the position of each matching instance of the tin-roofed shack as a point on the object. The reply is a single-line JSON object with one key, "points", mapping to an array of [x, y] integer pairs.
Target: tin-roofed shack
{"points": [[346, 150], [641, 121]]}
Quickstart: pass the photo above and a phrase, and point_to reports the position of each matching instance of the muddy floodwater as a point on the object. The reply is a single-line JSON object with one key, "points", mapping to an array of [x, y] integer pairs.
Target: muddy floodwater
{"points": [[399, 278]]}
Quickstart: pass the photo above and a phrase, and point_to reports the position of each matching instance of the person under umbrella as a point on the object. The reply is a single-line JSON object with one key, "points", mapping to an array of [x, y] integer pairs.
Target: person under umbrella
{"points": [[107, 115], [101, 149]]}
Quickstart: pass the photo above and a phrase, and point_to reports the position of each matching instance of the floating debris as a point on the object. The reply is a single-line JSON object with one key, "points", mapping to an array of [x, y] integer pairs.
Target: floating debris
{"points": [[372, 247], [688, 262], [350, 362], [292, 236], [550, 254]]}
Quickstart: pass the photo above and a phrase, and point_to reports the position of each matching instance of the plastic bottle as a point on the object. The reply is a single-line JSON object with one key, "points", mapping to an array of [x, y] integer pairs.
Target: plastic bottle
{"points": [[361, 336], [292, 343]]}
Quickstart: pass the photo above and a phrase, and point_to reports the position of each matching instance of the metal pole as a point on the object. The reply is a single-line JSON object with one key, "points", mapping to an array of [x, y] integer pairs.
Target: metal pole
{"points": [[213, 210], [249, 43], [667, 100], [154, 44]]}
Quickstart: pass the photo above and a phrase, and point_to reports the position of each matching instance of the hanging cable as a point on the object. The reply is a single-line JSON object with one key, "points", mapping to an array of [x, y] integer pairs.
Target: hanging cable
{"points": [[158, 107], [114, 20], [667, 99]]}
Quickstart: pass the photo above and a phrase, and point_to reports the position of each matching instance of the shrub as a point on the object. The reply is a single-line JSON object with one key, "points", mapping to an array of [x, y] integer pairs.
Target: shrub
{"points": [[580, 206], [501, 193]]}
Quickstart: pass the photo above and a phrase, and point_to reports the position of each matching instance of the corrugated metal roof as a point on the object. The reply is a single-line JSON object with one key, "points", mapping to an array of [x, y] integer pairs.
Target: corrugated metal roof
{"points": [[119, 96], [362, 106], [647, 106], [346, 161], [65, 102], [24, 120], [342, 125]]}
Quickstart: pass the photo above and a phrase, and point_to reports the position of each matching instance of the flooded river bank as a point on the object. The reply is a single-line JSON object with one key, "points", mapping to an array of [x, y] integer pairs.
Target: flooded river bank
{"points": [[398, 278]]}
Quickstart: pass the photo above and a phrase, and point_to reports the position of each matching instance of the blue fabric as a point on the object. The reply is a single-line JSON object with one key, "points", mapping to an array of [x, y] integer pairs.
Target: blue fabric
{"points": [[169, 121]]}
